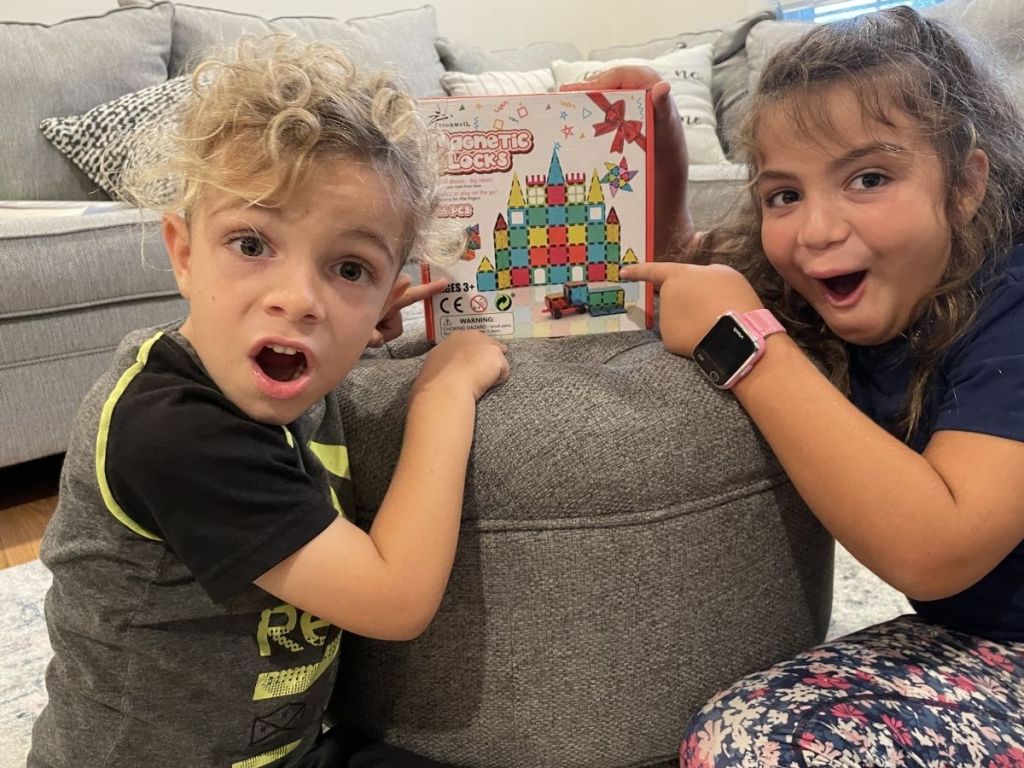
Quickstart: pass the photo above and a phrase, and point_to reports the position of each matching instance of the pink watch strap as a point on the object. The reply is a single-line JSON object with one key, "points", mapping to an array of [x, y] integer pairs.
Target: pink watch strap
{"points": [[762, 321]]}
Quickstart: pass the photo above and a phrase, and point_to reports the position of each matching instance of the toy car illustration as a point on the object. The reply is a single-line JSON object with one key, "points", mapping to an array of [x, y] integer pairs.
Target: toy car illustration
{"points": [[579, 298]]}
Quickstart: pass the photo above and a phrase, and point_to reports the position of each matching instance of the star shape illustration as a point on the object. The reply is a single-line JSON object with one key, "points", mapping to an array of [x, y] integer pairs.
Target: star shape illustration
{"points": [[567, 131], [618, 176]]}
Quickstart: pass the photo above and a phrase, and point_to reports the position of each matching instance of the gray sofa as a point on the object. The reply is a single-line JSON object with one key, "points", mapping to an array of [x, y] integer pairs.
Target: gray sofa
{"points": [[74, 282]]}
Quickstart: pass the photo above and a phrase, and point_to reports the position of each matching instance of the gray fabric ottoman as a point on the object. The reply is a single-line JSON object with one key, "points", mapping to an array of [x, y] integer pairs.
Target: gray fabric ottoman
{"points": [[629, 546]]}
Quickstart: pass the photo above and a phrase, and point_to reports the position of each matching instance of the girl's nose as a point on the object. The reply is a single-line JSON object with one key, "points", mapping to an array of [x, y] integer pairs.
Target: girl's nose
{"points": [[822, 224]]}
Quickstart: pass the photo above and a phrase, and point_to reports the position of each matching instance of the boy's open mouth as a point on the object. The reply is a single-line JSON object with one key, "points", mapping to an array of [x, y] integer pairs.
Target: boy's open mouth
{"points": [[844, 285], [281, 363]]}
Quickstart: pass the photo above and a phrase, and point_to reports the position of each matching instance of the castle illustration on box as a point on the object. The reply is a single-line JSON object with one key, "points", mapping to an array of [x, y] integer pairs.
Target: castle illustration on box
{"points": [[559, 232]]}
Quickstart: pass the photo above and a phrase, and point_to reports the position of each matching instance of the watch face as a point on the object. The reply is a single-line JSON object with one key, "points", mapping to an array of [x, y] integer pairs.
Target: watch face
{"points": [[724, 350]]}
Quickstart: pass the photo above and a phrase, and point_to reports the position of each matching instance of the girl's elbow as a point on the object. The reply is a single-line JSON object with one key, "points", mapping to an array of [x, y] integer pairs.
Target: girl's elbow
{"points": [[933, 578]]}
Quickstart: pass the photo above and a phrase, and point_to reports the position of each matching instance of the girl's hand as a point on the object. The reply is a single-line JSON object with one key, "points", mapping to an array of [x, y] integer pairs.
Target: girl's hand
{"points": [[390, 325], [673, 227], [693, 298], [465, 360]]}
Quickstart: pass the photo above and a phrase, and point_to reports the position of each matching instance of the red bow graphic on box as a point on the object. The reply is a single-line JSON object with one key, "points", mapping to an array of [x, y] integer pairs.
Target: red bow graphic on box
{"points": [[615, 120]]}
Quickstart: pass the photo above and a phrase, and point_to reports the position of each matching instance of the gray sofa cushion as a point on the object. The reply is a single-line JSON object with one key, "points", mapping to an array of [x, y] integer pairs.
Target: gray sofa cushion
{"points": [[70, 288], [51, 264], [729, 75], [65, 69], [628, 547], [458, 56], [657, 47], [403, 40]]}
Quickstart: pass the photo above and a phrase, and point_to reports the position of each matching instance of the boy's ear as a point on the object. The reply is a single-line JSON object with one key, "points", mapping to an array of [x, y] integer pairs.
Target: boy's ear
{"points": [[401, 283], [176, 239], [975, 184]]}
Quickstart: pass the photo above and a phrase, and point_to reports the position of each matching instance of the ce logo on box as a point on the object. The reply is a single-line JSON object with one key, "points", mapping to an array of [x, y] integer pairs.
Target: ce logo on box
{"points": [[455, 304]]}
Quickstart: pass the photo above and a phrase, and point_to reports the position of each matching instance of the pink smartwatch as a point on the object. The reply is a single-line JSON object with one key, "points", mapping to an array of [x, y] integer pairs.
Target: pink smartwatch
{"points": [[735, 342]]}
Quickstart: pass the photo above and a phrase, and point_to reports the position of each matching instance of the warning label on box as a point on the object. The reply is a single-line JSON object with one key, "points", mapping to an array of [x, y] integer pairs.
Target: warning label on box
{"points": [[492, 325]]}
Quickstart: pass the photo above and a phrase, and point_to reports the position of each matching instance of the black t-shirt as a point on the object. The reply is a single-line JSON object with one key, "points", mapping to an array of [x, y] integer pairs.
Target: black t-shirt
{"points": [[979, 387], [172, 502], [231, 497]]}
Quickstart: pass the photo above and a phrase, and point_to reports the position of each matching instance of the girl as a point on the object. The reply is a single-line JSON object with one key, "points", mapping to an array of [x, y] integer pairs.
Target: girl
{"points": [[202, 565], [887, 180]]}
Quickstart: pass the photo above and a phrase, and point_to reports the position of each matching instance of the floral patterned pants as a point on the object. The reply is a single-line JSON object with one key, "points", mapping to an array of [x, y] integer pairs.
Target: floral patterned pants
{"points": [[903, 693]]}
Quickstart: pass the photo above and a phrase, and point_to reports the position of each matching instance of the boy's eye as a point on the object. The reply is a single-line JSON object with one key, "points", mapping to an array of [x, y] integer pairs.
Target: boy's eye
{"points": [[250, 245], [782, 197], [868, 180], [350, 270]]}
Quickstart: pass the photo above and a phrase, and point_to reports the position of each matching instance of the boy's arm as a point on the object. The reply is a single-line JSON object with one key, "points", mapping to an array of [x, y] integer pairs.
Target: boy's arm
{"points": [[388, 583]]}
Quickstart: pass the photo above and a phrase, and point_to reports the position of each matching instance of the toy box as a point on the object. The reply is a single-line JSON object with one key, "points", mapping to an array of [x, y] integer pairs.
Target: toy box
{"points": [[554, 193]]}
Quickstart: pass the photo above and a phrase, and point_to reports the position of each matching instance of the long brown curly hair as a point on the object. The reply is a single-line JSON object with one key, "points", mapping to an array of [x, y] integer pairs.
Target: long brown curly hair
{"points": [[895, 60]]}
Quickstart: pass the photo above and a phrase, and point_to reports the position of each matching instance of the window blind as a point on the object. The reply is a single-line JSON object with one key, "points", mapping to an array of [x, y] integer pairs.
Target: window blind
{"points": [[821, 11]]}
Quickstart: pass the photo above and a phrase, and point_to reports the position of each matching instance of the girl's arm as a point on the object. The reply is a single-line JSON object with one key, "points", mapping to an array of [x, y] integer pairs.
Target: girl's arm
{"points": [[930, 524], [388, 583]]}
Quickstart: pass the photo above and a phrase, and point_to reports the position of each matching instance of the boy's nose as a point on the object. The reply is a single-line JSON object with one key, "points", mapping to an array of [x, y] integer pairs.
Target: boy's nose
{"points": [[822, 224], [294, 294]]}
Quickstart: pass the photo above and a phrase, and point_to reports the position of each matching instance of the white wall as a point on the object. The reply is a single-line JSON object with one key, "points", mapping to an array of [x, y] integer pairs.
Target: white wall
{"points": [[588, 23]]}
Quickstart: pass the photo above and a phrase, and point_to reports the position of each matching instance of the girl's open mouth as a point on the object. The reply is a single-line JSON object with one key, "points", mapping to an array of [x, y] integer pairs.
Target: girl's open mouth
{"points": [[281, 363], [843, 289]]}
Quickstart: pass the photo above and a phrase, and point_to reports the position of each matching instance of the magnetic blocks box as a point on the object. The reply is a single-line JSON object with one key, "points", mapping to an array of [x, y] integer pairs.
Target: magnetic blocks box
{"points": [[554, 193]]}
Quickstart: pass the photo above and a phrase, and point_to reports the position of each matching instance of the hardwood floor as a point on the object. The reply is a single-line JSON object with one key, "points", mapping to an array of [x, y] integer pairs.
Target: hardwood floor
{"points": [[28, 495]]}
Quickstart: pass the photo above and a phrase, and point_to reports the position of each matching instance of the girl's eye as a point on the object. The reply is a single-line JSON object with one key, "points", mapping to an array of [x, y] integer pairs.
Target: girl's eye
{"points": [[251, 246], [781, 198], [351, 270], [869, 180]]}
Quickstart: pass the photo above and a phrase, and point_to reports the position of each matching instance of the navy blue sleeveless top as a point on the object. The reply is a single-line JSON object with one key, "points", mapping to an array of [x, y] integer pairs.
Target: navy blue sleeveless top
{"points": [[979, 387]]}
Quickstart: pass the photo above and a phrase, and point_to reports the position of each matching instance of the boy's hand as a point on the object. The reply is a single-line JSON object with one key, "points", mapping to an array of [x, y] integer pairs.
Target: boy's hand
{"points": [[390, 325], [673, 227], [692, 299], [466, 359]]}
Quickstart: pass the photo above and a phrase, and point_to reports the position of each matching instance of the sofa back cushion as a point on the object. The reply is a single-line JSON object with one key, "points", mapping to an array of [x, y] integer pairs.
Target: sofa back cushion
{"points": [[458, 56], [402, 41], [65, 69]]}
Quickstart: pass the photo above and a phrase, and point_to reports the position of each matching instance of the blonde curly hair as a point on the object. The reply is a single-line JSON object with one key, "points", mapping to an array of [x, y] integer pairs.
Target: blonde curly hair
{"points": [[262, 114]]}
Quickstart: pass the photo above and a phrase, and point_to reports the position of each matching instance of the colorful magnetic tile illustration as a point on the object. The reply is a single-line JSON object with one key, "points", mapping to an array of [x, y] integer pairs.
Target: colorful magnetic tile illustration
{"points": [[560, 220]]}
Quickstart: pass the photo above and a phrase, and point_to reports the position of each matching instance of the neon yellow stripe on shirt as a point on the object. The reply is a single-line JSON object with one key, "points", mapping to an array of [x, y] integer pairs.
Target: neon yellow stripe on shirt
{"points": [[267, 758], [288, 682], [333, 457], [104, 432]]}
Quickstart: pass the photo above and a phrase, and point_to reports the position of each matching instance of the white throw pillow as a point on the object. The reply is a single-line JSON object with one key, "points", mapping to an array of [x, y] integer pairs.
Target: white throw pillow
{"points": [[498, 83], [688, 71]]}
